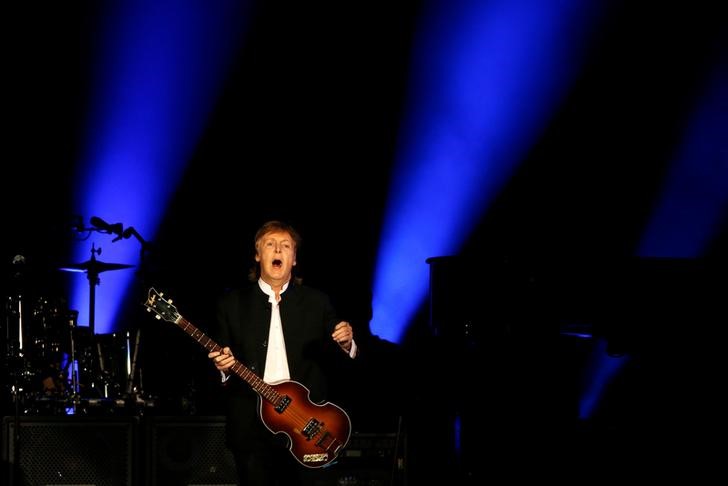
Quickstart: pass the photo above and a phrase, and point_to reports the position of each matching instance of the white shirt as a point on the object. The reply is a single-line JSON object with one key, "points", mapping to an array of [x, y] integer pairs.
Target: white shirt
{"points": [[276, 360]]}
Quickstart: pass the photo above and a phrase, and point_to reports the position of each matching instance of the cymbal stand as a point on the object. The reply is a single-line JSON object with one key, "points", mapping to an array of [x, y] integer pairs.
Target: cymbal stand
{"points": [[93, 280]]}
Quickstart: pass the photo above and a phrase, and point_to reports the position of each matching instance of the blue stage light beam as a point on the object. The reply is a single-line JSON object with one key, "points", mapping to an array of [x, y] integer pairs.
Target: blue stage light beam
{"points": [[159, 67], [695, 194], [486, 78]]}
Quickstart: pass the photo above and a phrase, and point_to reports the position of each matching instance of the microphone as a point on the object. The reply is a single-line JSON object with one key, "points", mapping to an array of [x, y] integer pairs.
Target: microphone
{"points": [[104, 227]]}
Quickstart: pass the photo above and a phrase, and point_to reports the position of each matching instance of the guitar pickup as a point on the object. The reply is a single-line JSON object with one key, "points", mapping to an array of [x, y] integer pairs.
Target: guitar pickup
{"points": [[311, 428], [283, 404]]}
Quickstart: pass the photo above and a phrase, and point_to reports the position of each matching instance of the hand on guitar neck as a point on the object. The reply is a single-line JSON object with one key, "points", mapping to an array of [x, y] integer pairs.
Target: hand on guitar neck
{"points": [[223, 359]]}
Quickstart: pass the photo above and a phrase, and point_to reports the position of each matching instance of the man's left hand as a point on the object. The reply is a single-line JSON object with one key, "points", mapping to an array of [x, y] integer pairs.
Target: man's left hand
{"points": [[344, 335]]}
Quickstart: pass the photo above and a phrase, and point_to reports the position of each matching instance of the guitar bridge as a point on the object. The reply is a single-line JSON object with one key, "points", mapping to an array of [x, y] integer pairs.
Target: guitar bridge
{"points": [[283, 404]]}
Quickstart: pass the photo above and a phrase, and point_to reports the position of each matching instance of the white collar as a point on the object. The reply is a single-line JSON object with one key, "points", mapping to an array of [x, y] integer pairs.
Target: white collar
{"points": [[265, 287]]}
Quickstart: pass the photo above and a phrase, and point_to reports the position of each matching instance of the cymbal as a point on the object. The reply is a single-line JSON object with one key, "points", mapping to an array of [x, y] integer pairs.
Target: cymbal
{"points": [[93, 266]]}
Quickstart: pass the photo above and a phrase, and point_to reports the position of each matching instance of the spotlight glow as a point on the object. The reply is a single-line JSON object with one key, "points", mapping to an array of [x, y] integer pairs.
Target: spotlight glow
{"points": [[695, 193], [487, 76], [158, 70]]}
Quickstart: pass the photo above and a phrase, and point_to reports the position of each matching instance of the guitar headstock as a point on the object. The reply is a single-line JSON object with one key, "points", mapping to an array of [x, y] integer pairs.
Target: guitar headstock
{"points": [[162, 308]]}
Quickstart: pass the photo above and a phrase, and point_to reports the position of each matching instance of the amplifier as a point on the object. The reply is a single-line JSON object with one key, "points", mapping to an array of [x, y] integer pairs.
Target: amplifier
{"points": [[370, 459], [69, 450], [186, 451]]}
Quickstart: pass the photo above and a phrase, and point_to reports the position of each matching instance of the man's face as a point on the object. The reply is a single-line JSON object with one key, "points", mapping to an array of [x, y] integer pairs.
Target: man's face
{"points": [[276, 253]]}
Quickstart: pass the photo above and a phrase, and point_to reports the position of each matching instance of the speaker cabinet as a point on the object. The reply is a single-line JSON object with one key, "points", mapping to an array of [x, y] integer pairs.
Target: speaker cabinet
{"points": [[68, 450], [187, 451]]}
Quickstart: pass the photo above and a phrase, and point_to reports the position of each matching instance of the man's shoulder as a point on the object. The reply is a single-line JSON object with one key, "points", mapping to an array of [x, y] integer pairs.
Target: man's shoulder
{"points": [[234, 294], [310, 292]]}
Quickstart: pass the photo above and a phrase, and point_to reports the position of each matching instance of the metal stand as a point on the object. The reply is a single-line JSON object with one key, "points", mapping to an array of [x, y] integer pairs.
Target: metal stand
{"points": [[73, 362], [15, 354], [132, 369]]}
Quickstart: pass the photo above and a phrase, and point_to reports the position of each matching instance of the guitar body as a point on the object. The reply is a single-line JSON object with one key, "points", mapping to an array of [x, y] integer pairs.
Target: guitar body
{"points": [[316, 432]]}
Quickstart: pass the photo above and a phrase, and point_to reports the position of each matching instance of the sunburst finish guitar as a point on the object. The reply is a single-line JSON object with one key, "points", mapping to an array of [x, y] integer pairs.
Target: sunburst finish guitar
{"points": [[317, 433]]}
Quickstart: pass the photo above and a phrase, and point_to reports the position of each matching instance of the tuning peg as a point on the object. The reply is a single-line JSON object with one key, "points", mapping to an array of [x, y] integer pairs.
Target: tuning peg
{"points": [[158, 317], [169, 301]]}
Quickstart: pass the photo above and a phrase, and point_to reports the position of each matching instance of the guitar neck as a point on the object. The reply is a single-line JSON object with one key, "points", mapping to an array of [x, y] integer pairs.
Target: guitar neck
{"points": [[265, 390]]}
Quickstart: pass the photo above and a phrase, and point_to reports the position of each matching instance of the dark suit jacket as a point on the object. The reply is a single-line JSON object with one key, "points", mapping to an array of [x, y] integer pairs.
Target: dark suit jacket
{"points": [[243, 321]]}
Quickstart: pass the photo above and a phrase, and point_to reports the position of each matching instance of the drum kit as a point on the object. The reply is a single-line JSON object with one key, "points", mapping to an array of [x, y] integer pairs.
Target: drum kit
{"points": [[54, 366]]}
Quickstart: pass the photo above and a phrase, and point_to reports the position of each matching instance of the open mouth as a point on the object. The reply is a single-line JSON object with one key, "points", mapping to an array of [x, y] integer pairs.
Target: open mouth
{"points": [[277, 263]]}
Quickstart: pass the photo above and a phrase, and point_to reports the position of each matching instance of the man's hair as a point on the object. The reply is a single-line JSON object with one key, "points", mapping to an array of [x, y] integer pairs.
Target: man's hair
{"points": [[270, 227]]}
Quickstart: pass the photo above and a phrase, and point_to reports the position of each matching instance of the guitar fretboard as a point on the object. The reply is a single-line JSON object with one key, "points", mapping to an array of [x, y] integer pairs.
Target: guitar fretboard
{"points": [[265, 390]]}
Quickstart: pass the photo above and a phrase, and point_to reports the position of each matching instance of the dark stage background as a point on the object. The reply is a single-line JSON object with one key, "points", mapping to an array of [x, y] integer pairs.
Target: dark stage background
{"points": [[556, 247]]}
